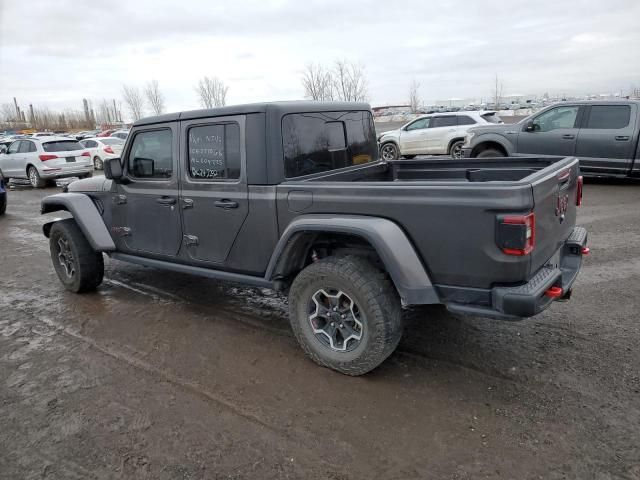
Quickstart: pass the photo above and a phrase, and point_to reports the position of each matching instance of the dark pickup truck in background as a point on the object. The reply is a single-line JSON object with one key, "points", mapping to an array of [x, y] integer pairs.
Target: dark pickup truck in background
{"points": [[602, 134], [292, 196]]}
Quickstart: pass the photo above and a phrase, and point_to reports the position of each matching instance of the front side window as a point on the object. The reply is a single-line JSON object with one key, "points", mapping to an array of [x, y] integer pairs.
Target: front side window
{"points": [[214, 151], [151, 155], [419, 124], [556, 118], [609, 117], [323, 141], [449, 121]]}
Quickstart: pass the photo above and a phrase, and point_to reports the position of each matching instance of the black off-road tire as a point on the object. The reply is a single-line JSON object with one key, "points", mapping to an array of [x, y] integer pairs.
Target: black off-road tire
{"points": [[409, 157], [3, 203], [490, 153], [87, 264], [377, 302]]}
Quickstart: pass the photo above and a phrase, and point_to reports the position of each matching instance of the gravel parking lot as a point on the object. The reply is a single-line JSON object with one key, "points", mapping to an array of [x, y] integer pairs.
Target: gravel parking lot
{"points": [[162, 375]]}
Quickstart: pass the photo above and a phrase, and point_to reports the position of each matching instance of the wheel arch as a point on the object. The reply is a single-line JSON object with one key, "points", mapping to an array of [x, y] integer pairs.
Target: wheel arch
{"points": [[452, 141], [490, 143], [385, 238], [85, 214]]}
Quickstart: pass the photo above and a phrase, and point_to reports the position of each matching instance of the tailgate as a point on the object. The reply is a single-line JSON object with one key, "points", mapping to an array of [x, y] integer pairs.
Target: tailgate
{"points": [[555, 198]]}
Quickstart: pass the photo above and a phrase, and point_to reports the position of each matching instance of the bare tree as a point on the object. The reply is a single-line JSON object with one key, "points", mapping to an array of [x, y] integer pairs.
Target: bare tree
{"points": [[212, 92], [155, 99], [497, 92], [134, 100], [8, 112], [349, 81], [317, 82], [414, 96]]}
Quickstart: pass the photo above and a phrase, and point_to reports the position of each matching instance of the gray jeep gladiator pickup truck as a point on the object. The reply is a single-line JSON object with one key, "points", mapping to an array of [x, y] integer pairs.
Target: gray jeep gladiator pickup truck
{"points": [[293, 196], [604, 135]]}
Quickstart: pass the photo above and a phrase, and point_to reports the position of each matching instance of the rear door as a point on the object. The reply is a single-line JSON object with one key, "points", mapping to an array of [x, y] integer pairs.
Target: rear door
{"points": [[441, 130], [607, 138], [553, 132], [214, 199], [413, 139], [146, 210]]}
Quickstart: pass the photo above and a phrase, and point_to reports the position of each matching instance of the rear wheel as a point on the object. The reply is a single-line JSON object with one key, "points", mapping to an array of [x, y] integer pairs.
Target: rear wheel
{"points": [[389, 151], [490, 152], [456, 149], [97, 163], [34, 178], [346, 314], [79, 267]]}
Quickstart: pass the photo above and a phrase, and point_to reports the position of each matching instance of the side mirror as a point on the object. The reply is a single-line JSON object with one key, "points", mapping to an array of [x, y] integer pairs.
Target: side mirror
{"points": [[3, 149], [113, 169], [530, 127]]}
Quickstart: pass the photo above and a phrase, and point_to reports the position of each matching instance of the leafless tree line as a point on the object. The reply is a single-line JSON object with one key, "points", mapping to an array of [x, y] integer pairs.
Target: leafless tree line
{"points": [[212, 92], [344, 80]]}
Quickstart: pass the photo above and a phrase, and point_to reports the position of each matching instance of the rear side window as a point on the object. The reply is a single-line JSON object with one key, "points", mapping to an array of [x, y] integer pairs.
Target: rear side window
{"points": [[609, 116], [214, 151], [323, 141], [61, 146], [151, 154], [465, 120], [27, 147], [450, 121], [491, 118]]}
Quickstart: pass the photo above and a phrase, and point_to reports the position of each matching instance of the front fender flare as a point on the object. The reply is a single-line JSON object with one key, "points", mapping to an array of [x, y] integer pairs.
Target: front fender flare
{"points": [[494, 138], [391, 244], [86, 216]]}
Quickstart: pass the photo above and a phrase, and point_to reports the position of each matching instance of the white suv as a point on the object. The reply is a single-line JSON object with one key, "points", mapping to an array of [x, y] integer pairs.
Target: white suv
{"points": [[46, 158], [432, 134]]}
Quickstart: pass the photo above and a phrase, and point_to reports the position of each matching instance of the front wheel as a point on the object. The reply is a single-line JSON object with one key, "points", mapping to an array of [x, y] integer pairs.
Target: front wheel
{"points": [[79, 267], [34, 178], [389, 151], [456, 149], [97, 163], [345, 314], [490, 153]]}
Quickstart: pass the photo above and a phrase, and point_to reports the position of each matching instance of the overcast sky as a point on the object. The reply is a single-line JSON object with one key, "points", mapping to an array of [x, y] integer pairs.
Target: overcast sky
{"points": [[54, 53]]}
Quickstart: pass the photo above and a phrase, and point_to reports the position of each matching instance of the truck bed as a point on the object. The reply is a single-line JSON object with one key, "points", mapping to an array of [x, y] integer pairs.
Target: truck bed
{"points": [[449, 210]]}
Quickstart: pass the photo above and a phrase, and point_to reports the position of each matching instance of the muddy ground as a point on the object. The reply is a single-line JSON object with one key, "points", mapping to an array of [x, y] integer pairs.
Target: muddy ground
{"points": [[161, 375]]}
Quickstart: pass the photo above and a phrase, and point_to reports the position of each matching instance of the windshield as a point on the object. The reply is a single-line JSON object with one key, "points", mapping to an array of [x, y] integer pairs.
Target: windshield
{"points": [[61, 146]]}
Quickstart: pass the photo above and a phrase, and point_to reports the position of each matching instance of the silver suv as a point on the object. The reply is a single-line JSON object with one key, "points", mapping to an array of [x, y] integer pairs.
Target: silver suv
{"points": [[44, 159]]}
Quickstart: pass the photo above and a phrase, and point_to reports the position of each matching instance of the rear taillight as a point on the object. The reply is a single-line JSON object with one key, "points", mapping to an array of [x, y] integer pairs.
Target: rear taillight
{"points": [[44, 158], [85, 154], [516, 234], [108, 149], [579, 191]]}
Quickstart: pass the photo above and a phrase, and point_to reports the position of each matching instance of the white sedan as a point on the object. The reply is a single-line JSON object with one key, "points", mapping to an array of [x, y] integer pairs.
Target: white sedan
{"points": [[103, 148]]}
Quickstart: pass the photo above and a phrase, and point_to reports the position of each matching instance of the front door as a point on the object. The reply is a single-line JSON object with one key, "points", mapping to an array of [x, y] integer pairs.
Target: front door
{"points": [[146, 211], [553, 132], [413, 138], [214, 198], [607, 138]]}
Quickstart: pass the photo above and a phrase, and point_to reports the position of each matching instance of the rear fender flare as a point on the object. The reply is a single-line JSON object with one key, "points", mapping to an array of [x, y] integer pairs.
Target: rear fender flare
{"points": [[389, 241], [84, 213]]}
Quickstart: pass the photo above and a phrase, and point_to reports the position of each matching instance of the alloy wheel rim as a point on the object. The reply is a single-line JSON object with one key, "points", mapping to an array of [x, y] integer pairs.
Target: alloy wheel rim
{"points": [[32, 177], [65, 257], [457, 151], [336, 320], [388, 152]]}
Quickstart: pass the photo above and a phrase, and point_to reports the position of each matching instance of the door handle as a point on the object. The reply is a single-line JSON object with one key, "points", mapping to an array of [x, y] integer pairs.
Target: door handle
{"points": [[226, 204], [622, 138], [166, 201], [568, 136]]}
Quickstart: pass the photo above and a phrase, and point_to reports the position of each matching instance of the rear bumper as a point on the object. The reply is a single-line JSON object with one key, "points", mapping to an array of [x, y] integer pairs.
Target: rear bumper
{"points": [[66, 172], [522, 301]]}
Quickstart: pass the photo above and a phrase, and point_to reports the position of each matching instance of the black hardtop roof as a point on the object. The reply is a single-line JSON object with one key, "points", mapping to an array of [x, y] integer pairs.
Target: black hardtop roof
{"points": [[280, 108]]}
